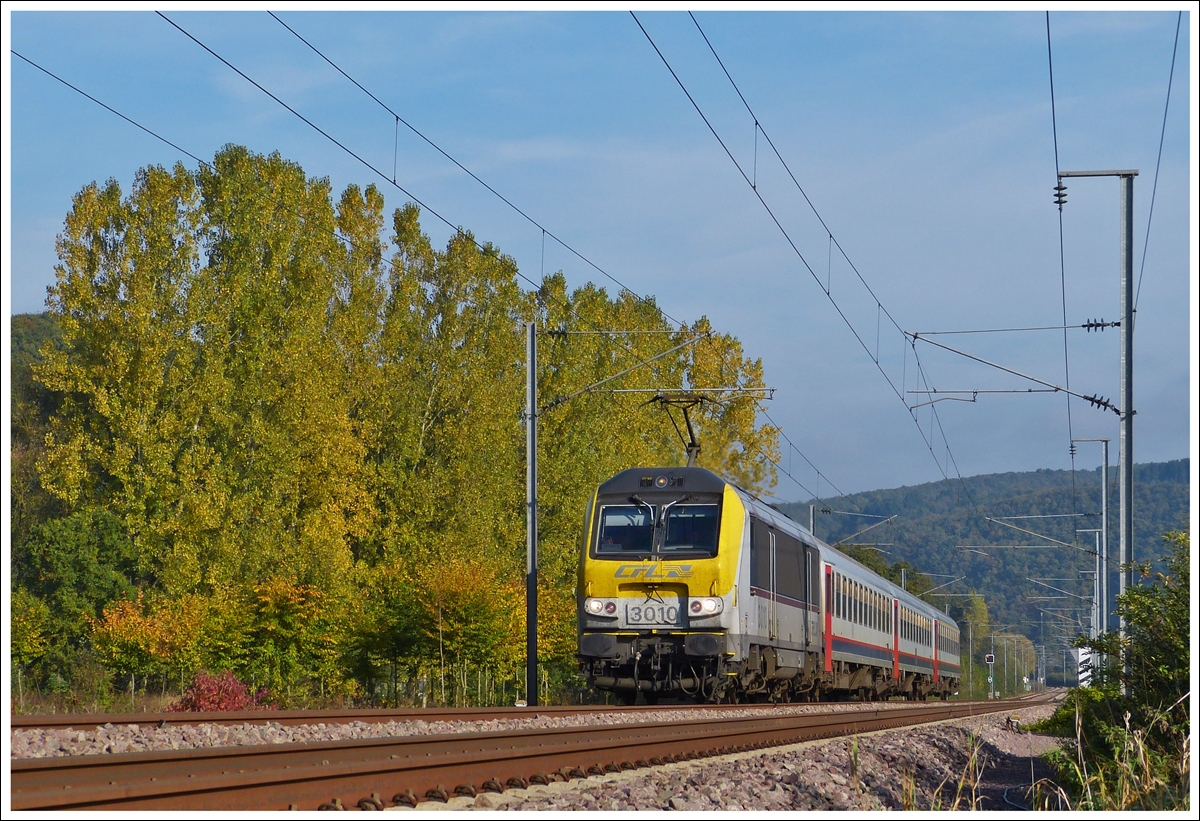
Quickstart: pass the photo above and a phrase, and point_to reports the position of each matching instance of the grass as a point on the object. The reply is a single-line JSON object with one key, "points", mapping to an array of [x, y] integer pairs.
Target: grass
{"points": [[1136, 777]]}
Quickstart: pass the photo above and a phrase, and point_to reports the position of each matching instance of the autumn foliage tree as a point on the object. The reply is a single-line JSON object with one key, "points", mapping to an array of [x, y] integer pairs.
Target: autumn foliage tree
{"points": [[282, 432]]}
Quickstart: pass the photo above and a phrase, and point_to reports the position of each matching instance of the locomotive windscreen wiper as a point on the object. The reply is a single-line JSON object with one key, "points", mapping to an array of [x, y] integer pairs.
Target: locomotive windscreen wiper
{"points": [[640, 501], [662, 513]]}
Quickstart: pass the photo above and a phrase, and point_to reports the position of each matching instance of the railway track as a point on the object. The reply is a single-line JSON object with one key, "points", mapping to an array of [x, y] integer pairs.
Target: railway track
{"points": [[295, 718], [381, 772]]}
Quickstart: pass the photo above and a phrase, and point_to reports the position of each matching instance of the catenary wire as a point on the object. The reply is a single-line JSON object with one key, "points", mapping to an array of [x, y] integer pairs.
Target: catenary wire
{"points": [[928, 442], [1012, 330], [323, 133], [209, 165], [108, 108], [469, 172], [1158, 163], [363, 161], [336, 233], [545, 232], [1062, 267], [832, 239]]}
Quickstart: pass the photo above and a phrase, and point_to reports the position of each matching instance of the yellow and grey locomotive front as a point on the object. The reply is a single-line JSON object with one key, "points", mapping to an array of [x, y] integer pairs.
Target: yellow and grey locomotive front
{"points": [[657, 592]]}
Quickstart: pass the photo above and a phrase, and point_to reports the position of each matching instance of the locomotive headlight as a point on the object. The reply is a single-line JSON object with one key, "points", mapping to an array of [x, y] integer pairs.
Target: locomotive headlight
{"points": [[599, 607], [706, 607]]}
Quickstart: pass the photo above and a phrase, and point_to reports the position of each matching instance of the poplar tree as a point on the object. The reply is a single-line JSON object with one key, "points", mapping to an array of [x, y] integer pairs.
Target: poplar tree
{"points": [[277, 413]]}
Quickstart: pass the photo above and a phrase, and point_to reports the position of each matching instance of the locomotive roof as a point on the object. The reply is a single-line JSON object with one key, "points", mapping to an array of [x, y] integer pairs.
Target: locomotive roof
{"points": [[642, 480]]}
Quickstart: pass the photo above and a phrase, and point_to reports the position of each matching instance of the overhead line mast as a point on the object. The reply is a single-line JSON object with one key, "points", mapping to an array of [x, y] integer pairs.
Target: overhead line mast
{"points": [[1125, 464]]}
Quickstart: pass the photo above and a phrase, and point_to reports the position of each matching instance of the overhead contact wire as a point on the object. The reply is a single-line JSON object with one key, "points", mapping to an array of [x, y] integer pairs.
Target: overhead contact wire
{"points": [[1062, 269], [532, 221], [206, 164], [787, 237], [471, 173], [333, 140], [1158, 163], [404, 190], [880, 307]]}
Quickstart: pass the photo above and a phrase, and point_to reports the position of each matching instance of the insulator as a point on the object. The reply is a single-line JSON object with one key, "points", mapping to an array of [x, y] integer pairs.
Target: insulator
{"points": [[1072, 450], [1060, 194]]}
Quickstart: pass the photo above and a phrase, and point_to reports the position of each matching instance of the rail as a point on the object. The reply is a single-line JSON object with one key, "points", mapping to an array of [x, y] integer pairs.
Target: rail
{"points": [[374, 773]]}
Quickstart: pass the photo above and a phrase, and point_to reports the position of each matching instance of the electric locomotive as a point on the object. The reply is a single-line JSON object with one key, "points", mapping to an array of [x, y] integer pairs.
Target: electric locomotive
{"points": [[690, 587]]}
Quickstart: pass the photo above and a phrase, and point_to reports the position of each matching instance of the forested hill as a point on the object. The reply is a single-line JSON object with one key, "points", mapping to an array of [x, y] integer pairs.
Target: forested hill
{"points": [[933, 520]]}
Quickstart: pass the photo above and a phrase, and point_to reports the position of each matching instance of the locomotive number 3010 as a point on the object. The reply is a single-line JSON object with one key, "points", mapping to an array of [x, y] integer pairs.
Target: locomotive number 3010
{"points": [[664, 614]]}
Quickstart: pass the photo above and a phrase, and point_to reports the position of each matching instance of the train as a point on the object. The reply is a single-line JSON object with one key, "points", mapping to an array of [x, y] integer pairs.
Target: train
{"points": [[691, 588]]}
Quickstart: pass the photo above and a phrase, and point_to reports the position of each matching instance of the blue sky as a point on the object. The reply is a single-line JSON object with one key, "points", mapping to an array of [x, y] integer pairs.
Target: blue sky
{"points": [[924, 140]]}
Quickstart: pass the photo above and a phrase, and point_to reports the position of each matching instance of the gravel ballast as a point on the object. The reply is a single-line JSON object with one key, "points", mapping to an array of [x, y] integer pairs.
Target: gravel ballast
{"points": [[916, 768], [179, 734]]}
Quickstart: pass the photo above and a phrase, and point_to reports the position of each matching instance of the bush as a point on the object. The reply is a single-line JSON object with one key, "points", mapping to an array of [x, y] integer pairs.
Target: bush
{"points": [[220, 694], [1129, 735]]}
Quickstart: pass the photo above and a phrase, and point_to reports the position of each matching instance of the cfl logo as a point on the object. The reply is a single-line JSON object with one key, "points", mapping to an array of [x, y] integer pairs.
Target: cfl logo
{"points": [[650, 572]]}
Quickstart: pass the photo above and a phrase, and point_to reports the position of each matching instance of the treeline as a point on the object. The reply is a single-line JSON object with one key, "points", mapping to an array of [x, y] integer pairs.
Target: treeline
{"points": [[934, 519], [258, 436]]}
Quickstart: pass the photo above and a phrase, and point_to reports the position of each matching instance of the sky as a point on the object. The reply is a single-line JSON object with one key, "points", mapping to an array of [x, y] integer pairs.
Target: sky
{"points": [[925, 142]]}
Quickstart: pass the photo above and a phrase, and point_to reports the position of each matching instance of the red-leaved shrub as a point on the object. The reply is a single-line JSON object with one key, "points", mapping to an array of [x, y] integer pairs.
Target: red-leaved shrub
{"points": [[220, 694]]}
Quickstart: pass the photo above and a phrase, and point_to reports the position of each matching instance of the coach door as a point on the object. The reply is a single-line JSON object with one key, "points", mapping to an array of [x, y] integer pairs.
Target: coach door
{"points": [[791, 609], [895, 638], [936, 659], [812, 581], [762, 576]]}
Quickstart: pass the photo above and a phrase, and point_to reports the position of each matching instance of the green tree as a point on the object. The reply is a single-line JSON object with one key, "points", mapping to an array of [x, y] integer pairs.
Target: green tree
{"points": [[1129, 736], [270, 410], [76, 566]]}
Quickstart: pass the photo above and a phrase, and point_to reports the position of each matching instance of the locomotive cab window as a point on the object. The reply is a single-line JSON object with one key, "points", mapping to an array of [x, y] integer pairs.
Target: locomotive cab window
{"points": [[625, 529], [673, 527], [691, 528]]}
